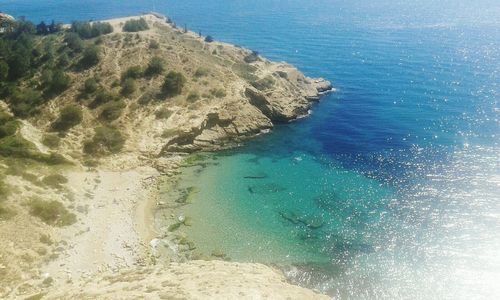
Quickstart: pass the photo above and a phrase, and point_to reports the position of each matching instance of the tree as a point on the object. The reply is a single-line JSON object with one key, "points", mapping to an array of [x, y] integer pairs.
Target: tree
{"points": [[42, 28], [173, 84]]}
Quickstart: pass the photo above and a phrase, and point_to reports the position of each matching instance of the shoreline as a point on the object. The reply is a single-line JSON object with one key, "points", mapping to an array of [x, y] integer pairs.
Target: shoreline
{"points": [[116, 203]]}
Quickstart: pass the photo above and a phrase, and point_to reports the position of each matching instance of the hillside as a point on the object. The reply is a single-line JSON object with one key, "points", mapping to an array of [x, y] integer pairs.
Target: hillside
{"points": [[90, 117]]}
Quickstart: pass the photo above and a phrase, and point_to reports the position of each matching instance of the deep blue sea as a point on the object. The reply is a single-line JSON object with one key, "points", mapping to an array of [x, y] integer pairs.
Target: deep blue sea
{"points": [[391, 188]]}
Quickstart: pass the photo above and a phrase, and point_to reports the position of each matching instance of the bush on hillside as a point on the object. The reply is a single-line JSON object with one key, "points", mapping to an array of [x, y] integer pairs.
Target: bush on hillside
{"points": [[51, 212], [155, 67], [135, 25], [25, 102], [90, 86], [101, 97], [173, 84], [209, 39], [105, 140], [74, 42], [128, 87], [91, 57], [88, 30], [134, 72], [112, 110], [51, 140], [58, 83], [70, 116]]}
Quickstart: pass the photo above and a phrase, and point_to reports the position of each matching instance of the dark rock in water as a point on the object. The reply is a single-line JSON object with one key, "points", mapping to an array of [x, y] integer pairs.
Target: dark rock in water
{"points": [[265, 189], [312, 222], [290, 216], [256, 176]]}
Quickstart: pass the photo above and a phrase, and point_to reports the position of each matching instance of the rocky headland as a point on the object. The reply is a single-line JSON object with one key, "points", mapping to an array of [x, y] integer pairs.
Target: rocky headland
{"points": [[76, 214]]}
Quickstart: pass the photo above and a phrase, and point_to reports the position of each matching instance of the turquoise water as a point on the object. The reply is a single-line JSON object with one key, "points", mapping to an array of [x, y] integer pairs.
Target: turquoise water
{"points": [[390, 189]]}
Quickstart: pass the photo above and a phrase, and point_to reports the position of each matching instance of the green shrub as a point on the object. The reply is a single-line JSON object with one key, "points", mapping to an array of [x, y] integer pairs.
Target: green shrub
{"points": [[8, 125], [135, 25], [70, 116], [51, 140], [101, 97], [128, 87], [219, 93], [16, 146], [88, 30], [264, 83], [105, 140], [91, 57], [134, 72], [74, 42], [154, 44], [155, 67], [90, 86], [25, 102], [201, 72], [111, 110], [59, 82], [163, 113], [63, 61], [51, 212], [209, 39], [55, 180], [193, 96], [173, 84]]}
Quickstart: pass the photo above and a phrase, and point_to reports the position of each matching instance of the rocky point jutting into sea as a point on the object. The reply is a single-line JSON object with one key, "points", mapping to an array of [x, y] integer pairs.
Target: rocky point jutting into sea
{"points": [[79, 196]]}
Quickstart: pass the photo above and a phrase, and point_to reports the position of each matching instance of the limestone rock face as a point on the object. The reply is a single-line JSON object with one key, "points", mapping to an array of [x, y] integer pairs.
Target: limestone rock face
{"points": [[191, 280]]}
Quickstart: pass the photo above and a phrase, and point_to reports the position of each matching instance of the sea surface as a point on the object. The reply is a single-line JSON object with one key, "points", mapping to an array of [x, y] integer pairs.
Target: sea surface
{"points": [[391, 188]]}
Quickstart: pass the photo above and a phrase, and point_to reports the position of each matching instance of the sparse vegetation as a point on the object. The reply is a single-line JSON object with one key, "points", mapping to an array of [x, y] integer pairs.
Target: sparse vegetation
{"points": [[102, 96], [219, 93], [134, 72], [70, 116], [173, 84], [193, 96], [154, 45], [51, 212], [51, 140], [264, 83], [105, 140], [201, 72], [90, 86], [55, 181], [252, 57], [128, 87], [163, 113], [135, 25], [111, 110]]}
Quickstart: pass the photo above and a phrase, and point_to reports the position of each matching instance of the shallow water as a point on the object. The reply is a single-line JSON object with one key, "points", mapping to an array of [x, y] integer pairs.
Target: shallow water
{"points": [[390, 189]]}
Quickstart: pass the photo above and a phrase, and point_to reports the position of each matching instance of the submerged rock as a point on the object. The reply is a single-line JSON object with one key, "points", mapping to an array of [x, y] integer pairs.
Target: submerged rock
{"points": [[266, 189]]}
